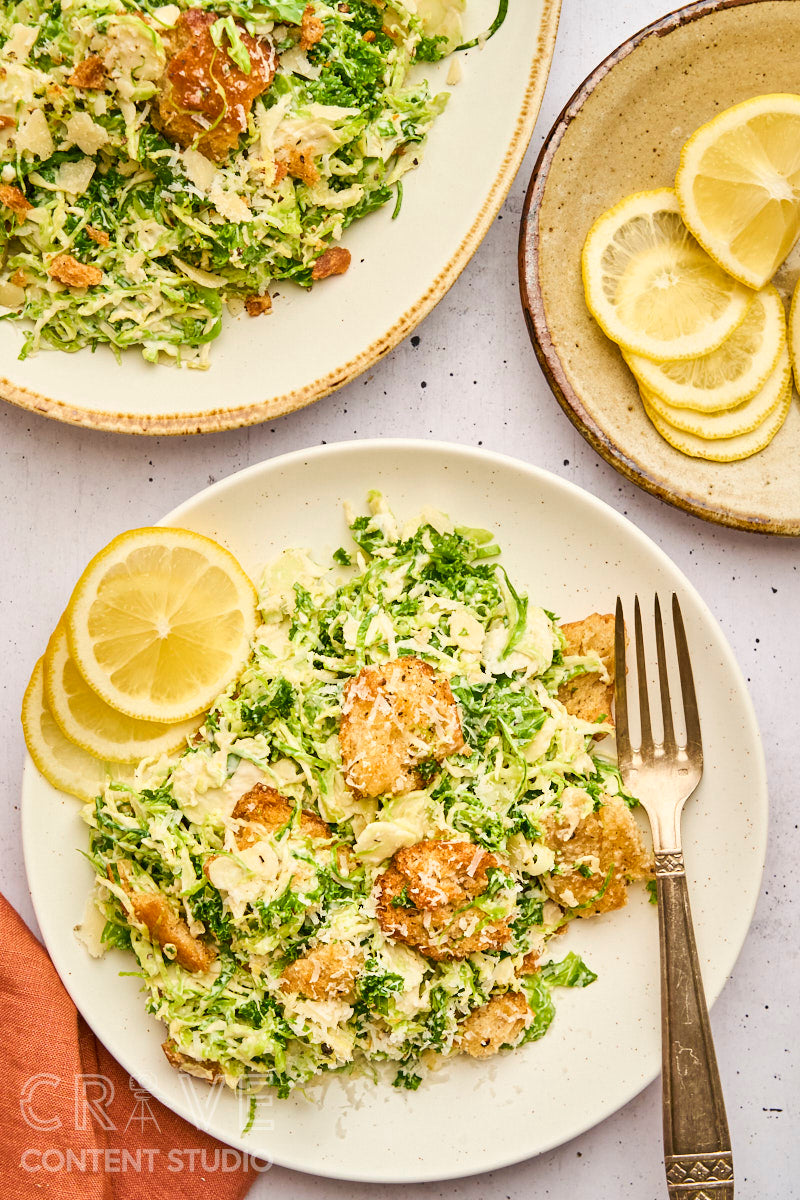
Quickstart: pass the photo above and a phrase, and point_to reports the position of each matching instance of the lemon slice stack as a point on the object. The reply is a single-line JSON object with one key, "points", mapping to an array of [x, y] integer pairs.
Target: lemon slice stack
{"points": [[158, 625], [680, 280]]}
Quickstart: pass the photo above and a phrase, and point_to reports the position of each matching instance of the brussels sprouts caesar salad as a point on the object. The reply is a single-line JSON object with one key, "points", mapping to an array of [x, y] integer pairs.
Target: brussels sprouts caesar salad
{"points": [[368, 850], [161, 161]]}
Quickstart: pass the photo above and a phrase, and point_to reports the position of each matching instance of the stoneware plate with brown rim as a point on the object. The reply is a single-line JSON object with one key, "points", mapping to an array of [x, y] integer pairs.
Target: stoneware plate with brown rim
{"points": [[622, 132], [313, 342]]}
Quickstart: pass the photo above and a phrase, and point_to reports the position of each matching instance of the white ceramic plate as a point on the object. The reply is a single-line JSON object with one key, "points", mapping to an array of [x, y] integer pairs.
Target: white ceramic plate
{"points": [[314, 342], [574, 554]]}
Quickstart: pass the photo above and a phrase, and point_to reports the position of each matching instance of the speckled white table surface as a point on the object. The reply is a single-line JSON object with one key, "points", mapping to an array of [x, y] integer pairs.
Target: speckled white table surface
{"points": [[469, 375]]}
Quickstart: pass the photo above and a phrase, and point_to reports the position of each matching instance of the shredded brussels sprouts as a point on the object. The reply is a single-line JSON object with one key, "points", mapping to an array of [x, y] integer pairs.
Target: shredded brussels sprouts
{"points": [[431, 592], [161, 235]]}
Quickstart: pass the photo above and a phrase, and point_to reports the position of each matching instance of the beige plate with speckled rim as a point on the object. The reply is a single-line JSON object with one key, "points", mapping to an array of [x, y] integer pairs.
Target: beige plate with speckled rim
{"points": [[314, 342], [622, 132]]}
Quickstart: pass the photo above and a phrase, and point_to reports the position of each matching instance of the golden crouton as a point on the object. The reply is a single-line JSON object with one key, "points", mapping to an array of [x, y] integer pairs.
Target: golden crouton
{"points": [[587, 696], [190, 1066], [311, 28], [11, 197], [68, 270], [98, 235], [606, 839], [424, 899], [497, 1023], [325, 973], [334, 261], [89, 74], [299, 163], [153, 911], [395, 717], [258, 305], [205, 98], [267, 810]]}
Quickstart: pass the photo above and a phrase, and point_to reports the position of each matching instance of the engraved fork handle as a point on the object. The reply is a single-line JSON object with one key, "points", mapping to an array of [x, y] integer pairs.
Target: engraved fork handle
{"points": [[697, 1145]]}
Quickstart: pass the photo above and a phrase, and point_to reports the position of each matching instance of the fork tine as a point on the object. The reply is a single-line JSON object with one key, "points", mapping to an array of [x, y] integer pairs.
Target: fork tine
{"points": [[663, 683], [646, 747], [694, 744], [624, 753]]}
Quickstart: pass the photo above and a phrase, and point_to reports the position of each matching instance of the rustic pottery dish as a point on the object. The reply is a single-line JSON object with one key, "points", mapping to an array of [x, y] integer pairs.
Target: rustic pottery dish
{"points": [[313, 343], [622, 132], [574, 554]]}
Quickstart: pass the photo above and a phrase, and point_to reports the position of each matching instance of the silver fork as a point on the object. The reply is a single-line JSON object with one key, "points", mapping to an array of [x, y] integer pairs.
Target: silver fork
{"points": [[663, 775]]}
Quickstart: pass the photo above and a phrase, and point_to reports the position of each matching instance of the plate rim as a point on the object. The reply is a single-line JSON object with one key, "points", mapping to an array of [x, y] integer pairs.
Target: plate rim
{"points": [[759, 811], [528, 260], [253, 414]]}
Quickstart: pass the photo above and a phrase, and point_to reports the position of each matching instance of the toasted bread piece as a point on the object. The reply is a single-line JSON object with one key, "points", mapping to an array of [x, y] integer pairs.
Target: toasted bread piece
{"points": [[588, 696], [423, 899], [154, 911], [333, 261], [497, 1023], [265, 809], [190, 1066], [66, 269], [326, 973], [587, 851], [394, 717], [205, 98], [90, 74], [11, 197]]}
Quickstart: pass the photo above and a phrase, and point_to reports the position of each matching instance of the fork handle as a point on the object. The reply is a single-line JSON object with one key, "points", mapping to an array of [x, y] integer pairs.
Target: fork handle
{"points": [[697, 1145]]}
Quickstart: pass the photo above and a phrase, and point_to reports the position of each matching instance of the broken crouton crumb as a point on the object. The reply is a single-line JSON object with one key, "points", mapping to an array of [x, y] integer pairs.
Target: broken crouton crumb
{"points": [[89, 74], [300, 165], [68, 270], [257, 305], [98, 235], [11, 197], [334, 261], [311, 28]]}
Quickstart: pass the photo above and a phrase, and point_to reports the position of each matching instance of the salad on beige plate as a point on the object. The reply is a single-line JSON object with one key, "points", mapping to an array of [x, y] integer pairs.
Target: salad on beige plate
{"points": [[371, 839], [159, 162]]}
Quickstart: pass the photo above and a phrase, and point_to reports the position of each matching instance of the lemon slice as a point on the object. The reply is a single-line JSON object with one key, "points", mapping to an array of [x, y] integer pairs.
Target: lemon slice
{"points": [[735, 421], [723, 449], [794, 335], [66, 766], [738, 184], [160, 622], [650, 286], [94, 725], [729, 375]]}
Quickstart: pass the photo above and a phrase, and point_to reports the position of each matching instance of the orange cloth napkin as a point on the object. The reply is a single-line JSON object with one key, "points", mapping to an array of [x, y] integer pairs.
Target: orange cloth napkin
{"points": [[51, 1146]]}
